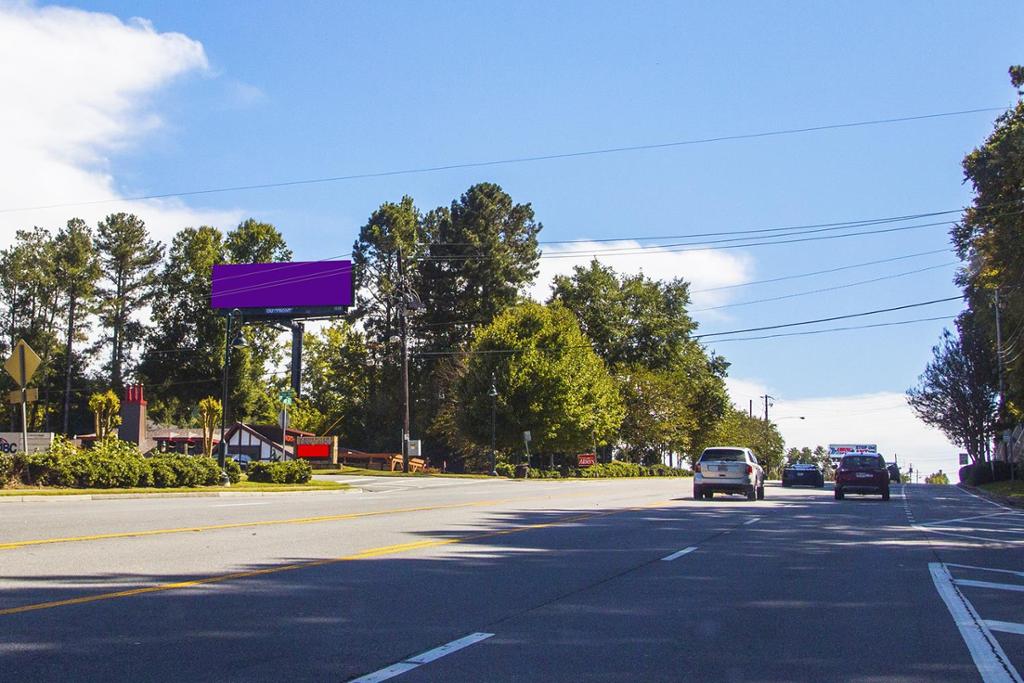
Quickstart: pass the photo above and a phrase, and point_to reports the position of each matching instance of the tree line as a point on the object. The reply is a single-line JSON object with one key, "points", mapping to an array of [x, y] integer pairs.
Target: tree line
{"points": [[973, 388], [607, 363]]}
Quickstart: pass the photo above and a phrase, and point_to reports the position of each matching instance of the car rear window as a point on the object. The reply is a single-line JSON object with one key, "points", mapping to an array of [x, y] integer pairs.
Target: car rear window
{"points": [[862, 461], [723, 455]]}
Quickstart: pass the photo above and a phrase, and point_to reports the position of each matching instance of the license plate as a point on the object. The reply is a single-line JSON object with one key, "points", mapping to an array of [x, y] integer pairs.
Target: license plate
{"points": [[863, 475], [800, 474], [723, 468]]}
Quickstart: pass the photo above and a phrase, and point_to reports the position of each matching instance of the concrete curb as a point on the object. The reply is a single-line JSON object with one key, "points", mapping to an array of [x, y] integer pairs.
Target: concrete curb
{"points": [[37, 498]]}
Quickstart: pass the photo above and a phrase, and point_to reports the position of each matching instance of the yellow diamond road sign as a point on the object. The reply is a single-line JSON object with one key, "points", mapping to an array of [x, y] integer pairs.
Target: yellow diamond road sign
{"points": [[23, 363]]}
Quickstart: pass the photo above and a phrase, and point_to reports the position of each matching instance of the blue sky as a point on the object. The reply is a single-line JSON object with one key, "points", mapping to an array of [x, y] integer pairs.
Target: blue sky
{"points": [[302, 90]]}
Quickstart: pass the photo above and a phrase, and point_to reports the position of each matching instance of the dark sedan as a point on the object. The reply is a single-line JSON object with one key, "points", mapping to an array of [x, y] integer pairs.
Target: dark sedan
{"points": [[862, 474], [803, 475]]}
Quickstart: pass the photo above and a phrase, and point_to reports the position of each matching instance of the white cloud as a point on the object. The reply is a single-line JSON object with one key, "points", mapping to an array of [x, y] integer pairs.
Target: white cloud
{"points": [[882, 418], [75, 87], [702, 269]]}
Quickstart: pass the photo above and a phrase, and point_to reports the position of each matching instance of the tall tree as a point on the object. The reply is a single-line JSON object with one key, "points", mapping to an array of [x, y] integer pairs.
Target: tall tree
{"points": [[547, 378], [642, 330], [385, 262], [77, 271], [989, 238], [957, 392], [183, 356], [129, 259]]}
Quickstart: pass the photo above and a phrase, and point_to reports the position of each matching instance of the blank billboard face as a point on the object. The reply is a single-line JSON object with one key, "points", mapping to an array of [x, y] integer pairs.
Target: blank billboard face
{"points": [[281, 286]]}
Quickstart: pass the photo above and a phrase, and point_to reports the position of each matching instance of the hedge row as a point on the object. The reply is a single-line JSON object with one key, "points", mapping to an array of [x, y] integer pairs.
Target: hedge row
{"points": [[110, 464], [285, 472], [985, 472], [600, 470]]}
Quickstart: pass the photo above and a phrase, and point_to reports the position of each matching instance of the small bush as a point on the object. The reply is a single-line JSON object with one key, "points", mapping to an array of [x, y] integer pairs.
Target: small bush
{"points": [[176, 470], [285, 472], [979, 473], [505, 469], [6, 469], [233, 470]]}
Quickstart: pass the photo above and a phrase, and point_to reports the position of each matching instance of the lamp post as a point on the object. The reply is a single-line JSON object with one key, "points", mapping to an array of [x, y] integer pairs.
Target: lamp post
{"points": [[493, 393], [237, 342]]}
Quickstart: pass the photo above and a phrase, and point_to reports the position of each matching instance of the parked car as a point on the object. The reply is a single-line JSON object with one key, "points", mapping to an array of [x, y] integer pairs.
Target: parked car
{"points": [[800, 474], [862, 474], [894, 473], [728, 469]]}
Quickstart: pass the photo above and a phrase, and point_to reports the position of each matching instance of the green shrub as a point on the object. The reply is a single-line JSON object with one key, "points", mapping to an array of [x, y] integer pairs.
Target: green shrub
{"points": [[505, 469], [6, 468], [285, 472], [233, 470], [188, 470], [110, 463], [50, 468]]}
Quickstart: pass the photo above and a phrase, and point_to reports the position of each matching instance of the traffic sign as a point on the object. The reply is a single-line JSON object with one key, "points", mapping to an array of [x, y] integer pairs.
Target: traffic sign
{"points": [[31, 396], [23, 363], [286, 396]]}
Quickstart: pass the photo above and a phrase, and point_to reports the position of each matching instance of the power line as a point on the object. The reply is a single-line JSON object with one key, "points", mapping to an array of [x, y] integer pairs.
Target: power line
{"points": [[512, 160], [825, 289], [829, 319], [836, 329], [821, 272]]}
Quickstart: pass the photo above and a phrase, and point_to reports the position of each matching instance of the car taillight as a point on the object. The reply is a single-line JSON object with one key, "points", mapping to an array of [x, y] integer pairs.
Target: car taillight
{"points": [[750, 469], [696, 468]]}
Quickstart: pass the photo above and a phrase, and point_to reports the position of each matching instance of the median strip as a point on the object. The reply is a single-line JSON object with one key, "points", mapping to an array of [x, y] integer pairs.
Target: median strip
{"points": [[422, 658]]}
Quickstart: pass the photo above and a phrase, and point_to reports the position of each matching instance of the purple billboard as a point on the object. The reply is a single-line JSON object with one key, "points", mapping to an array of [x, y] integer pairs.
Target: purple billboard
{"points": [[293, 288]]}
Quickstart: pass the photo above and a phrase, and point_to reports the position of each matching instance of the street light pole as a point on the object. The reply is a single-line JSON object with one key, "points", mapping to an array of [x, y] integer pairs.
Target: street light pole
{"points": [[229, 343], [494, 412]]}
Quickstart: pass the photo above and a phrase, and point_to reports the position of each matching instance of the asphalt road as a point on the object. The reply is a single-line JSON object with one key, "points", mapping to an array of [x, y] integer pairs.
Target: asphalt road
{"points": [[479, 580]]}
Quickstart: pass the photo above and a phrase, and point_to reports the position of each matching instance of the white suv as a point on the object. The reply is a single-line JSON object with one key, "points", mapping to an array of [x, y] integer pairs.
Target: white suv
{"points": [[728, 469]]}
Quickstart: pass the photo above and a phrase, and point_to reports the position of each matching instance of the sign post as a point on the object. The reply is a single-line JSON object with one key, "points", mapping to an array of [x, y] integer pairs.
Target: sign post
{"points": [[22, 364]]}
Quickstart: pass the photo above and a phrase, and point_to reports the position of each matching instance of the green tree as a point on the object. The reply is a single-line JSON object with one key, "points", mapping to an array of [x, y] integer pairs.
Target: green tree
{"points": [[32, 310], [988, 238], [737, 428], [129, 259], [77, 270], [957, 391], [641, 328], [210, 412], [937, 478], [184, 352], [336, 384], [106, 408], [548, 381]]}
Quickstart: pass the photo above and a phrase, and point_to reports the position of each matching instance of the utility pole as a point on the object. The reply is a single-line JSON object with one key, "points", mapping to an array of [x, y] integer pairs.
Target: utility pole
{"points": [[750, 408], [766, 398], [1002, 387], [403, 311]]}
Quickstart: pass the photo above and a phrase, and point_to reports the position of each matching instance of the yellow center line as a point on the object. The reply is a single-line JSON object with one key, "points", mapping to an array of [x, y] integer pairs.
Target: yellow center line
{"points": [[12, 545], [362, 555]]}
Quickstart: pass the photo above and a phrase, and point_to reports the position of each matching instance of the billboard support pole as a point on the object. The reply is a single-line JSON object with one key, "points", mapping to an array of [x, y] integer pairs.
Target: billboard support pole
{"points": [[298, 329]]}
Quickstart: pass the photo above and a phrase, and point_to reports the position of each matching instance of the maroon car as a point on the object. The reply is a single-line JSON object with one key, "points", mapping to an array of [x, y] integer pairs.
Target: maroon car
{"points": [[862, 474]]}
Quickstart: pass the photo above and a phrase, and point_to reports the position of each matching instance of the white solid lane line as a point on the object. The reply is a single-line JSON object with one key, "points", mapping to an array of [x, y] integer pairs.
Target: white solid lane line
{"points": [[985, 569], [1005, 626], [985, 650], [752, 520], [422, 658], [676, 555], [990, 584]]}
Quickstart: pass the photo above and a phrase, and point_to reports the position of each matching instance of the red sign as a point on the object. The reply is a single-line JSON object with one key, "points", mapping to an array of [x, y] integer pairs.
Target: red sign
{"points": [[586, 459], [313, 450]]}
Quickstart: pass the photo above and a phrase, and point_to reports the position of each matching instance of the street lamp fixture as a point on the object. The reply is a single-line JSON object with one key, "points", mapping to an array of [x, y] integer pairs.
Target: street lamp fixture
{"points": [[493, 393]]}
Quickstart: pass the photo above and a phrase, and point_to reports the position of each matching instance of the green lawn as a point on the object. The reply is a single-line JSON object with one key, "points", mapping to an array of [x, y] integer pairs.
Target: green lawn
{"points": [[1010, 489], [242, 486]]}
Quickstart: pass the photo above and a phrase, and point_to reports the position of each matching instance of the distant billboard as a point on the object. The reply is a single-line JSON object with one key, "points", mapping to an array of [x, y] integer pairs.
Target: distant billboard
{"points": [[838, 450], [293, 289]]}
